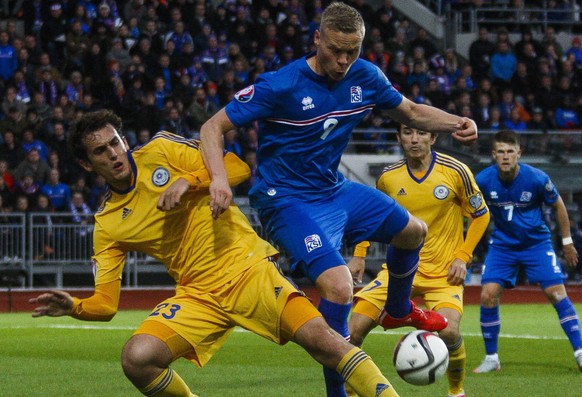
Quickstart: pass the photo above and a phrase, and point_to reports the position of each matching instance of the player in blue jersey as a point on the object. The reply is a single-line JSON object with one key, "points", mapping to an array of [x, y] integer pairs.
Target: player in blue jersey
{"points": [[306, 113], [515, 193]]}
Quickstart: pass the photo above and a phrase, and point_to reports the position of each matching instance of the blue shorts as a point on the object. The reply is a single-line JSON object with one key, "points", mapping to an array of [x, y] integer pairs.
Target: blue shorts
{"points": [[540, 263], [312, 233]]}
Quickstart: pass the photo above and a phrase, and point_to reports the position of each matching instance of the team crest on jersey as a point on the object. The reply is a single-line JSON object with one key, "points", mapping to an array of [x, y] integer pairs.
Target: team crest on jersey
{"points": [[312, 242], [441, 192], [493, 195], [307, 103], [525, 196], [160, 177], [246, 94], [356, 94], [476, 201]]}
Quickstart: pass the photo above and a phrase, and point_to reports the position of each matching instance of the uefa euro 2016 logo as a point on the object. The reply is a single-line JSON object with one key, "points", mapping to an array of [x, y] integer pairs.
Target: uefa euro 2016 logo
{"points": [[312, 242]]}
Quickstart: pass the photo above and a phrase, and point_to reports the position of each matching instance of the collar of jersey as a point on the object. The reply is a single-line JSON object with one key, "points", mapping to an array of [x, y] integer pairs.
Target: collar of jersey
{"points": [[427, 173]]}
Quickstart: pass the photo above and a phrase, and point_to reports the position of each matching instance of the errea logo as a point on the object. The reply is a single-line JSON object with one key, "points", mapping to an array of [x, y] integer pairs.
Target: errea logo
{"points": [[307, 103]]}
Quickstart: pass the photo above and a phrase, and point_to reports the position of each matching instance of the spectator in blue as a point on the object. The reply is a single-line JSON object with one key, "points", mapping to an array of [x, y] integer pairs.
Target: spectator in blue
{"points": [[566, 116], [59, 193], [514, 122], [99, 188], [8, 57], [575, 52], [503, 65], [272, 60], [214, 59], [30, 142], [418, 76], [180, 37], [231, 143]]}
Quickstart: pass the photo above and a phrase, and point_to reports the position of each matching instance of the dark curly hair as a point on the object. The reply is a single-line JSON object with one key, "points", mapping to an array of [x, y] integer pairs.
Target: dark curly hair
{"points": [[88, 124]]}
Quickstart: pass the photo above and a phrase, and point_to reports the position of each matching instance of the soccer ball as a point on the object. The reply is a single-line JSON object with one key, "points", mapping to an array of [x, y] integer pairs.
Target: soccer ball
{"points": [[421, 357]]}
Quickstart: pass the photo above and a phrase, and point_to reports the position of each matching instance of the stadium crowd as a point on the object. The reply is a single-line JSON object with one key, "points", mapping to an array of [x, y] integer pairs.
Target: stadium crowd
{"points": [[171, 64]]}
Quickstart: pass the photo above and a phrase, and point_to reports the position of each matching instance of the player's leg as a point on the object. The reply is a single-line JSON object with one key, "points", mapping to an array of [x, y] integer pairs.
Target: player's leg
{"points": [[312, 235], [451, 335], [490, 326], [568, 317], [542, 266], [146, 363], [375, 216], [331, 350]]}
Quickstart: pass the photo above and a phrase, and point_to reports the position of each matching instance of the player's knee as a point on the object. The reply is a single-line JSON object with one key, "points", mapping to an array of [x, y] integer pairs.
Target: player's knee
{"points": [[412, 236], [140, 355], [450, 335]]}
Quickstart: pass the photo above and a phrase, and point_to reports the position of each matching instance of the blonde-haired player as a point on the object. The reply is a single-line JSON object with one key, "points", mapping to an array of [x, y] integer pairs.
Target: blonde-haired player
{"points": [[225, 273], [442, 192]]}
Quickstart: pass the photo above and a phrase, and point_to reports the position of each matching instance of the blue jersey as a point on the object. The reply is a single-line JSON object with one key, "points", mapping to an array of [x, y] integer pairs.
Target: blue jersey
{"points": [[516, 208], [305, 125]]}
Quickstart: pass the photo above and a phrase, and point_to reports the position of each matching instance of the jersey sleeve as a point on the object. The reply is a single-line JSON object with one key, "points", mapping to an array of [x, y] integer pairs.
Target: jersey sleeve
{"points": [[550, 193], [473, 202], [387, 96], [254, 102]]}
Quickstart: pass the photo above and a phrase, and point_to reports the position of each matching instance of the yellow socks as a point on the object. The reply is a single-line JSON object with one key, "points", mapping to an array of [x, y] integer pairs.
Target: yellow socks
{"points": [[363, 377], [456, 369], [167, 384]]}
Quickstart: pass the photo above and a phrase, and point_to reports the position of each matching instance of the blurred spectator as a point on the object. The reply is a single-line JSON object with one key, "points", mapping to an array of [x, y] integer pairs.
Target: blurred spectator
{"points": [[522, 82], [566, 116], [495, 123], [29, 142], [53, 31], [176, 124], [272, 60], [75, 88], [77, 45], [99, 189], [22, 87], [397, 45], [27, 186], [546, 94], [34, 165], [508, 103], [95, 66], [201, 109], [161, 92], [8, 57], [6, 197], [21, 204], [418, 76], [143, 136], [480, 53], [66, 169], [11, 151], [379, 56], [214, 60], [482, 110], [59, 193], [549, 38], [6, 176], [48, 86], [575, 52], [423, 40], [503, 65], [79, 185], [11, 100], [15, 121], [538, 121], [148, 115], [231, 143], [82, 216], [153, 37], [528, 38], [514, 122]]}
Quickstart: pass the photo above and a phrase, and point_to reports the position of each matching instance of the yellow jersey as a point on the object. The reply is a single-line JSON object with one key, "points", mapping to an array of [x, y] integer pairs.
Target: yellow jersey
{"points": [[442, 198], [197, 250]]}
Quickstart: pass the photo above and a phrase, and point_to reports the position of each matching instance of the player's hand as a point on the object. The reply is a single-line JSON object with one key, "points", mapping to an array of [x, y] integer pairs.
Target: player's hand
{"points": [[571, 255], [170, 198], [357, 265], [53, 304], [220, 196], [457, 272], [466, 131]]}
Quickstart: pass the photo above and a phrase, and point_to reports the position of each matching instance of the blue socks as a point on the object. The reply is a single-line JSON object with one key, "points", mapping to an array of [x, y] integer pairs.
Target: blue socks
{"points": [[336, 315], [490, 327], [569, 322], [402, 265]]}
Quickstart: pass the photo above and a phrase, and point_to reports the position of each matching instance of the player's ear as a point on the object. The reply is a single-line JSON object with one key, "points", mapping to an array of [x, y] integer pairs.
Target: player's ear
{"points": [[86, 165]]}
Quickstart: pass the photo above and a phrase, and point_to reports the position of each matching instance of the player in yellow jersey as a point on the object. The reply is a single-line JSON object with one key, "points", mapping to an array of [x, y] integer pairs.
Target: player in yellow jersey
{"points": [[442, 192], [225, 273]]}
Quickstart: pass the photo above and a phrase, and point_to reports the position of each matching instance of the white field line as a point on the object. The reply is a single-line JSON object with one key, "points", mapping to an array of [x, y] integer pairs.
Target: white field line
{"points": [[375, 331]]}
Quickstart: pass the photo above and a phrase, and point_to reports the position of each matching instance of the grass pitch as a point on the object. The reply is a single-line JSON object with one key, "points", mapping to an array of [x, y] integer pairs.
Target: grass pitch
{"points": [[65, 357]]}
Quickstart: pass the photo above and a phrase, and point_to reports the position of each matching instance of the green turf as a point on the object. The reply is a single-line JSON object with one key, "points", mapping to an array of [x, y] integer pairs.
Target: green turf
{"points": [[64, 357]]}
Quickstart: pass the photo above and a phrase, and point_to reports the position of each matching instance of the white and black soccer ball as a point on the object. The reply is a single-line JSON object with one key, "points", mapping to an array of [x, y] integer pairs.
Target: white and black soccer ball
{"points": [[421, 358]]}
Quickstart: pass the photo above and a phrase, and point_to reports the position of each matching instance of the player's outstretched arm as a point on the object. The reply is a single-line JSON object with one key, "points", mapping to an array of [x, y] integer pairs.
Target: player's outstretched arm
{"points": [[429, 118], [212, 144], [101, 306]]}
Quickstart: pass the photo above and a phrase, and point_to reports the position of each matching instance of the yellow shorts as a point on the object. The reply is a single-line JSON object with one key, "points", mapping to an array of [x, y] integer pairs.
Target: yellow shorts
{"points": [[256, 300], [437, 293]]}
